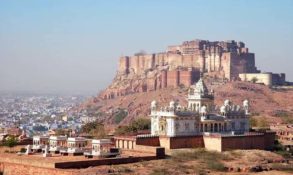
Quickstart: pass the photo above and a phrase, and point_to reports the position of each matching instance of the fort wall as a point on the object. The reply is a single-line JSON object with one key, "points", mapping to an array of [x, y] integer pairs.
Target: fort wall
{"points": [[180, 65]]}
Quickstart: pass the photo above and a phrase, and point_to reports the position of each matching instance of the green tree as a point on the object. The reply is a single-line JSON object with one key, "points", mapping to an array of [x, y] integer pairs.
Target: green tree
{"points": [[254, 79], [95, 129], [10, 142], [135, 126], [120, 115]]}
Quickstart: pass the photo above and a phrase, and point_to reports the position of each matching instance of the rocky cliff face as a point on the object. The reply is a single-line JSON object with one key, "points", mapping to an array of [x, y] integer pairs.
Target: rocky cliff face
{"points": [[180, 66]]}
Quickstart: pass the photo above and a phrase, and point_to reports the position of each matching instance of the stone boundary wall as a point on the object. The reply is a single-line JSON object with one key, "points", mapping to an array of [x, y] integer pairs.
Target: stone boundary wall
{"points": [[148, 141], [110, 161], [262, 141], [240, 142], [270, 138], [182, 142]]}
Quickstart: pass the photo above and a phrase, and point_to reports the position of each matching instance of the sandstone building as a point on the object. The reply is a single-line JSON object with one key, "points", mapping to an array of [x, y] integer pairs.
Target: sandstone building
{"points": [[266, 78], [181, 65]]}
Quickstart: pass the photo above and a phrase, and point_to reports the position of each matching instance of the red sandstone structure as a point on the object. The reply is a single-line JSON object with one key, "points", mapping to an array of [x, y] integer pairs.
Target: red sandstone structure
{"points": [[181, 65]]}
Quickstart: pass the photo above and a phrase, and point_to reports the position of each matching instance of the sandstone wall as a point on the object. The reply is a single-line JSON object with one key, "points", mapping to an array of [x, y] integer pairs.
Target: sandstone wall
{"points": [[243, 142], [149, 141], [265, 78], [213, 143], [262, 141], [182, 142]]}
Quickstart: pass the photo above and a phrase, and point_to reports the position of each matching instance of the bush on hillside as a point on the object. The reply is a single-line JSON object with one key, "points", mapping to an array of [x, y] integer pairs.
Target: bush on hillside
{"points": [[120, 115], [135, 126], [95, 129]]}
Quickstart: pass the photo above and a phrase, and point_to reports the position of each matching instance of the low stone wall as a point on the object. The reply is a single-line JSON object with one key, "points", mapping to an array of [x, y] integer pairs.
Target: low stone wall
{"points": [[182, 142], [110, 161], [262, 141], [270, 138], [149, 141], [243, 142]]}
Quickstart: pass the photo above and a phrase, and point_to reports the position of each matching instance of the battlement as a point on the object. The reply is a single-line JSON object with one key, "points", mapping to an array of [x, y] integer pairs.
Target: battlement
{"points": [[199, 47]]}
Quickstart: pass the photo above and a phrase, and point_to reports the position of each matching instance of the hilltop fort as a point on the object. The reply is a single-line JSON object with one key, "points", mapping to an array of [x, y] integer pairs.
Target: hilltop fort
{"points": [[182, 65]]}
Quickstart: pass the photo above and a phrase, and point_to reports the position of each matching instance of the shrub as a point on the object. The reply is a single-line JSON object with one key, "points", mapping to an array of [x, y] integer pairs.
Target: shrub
{"points": [[120, 115], [215, 165], [280, 149], [95, 129], [282, 167], [135, 126], [11, 141], [22, 150]]}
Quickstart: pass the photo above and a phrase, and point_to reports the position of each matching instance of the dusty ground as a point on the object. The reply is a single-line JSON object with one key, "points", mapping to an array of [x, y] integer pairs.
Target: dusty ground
{"points": [[4, 149], [189, 161], [179, 165], [58, 157]]}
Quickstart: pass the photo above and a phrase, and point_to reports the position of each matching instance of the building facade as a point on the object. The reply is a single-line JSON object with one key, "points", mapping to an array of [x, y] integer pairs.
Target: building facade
{"points": [[201, 116]]}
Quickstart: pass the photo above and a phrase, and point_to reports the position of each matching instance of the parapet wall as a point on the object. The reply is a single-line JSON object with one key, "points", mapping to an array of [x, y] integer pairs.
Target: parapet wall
{"points": [[267, 78], [182, 142], [149, 141], [262, 141]]}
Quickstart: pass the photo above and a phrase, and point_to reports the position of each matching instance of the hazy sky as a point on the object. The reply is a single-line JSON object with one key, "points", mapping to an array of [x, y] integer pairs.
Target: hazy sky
{"points": [[73, 46]]}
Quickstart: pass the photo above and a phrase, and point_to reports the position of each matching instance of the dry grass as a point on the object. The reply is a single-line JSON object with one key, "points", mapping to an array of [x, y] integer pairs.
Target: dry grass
{"points": [[209, 159], [283, 167]]}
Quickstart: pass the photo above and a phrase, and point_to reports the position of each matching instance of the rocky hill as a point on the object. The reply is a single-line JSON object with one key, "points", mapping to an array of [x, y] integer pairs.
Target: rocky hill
{"points": [[275, 105], [166, 76], [180, 65]]}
